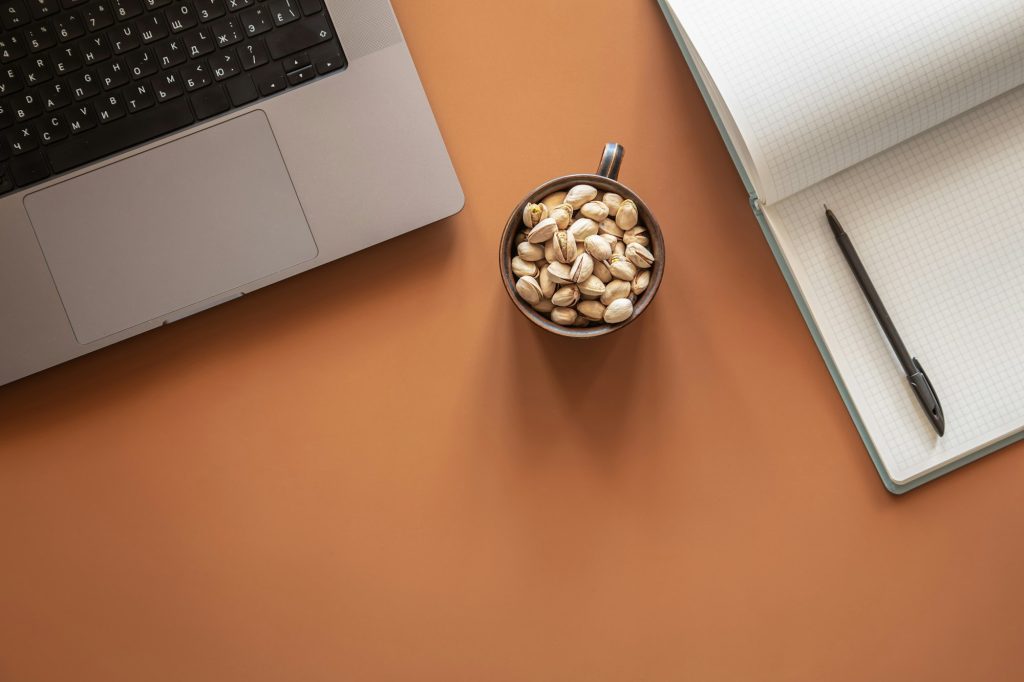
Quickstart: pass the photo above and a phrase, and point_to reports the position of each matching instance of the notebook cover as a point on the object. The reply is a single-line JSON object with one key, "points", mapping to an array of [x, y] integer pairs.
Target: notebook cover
{"points": [[891, 485]]}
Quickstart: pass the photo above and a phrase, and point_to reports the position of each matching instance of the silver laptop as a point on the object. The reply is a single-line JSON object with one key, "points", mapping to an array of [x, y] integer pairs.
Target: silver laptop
{"points": [[159, 157]]}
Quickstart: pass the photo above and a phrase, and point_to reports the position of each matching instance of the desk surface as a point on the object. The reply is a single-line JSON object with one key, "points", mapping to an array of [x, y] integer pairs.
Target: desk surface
{"points": [[379, 470]]}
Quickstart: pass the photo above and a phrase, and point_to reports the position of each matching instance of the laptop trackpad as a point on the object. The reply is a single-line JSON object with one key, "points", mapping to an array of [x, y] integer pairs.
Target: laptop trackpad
{"points": [[173, 226]]}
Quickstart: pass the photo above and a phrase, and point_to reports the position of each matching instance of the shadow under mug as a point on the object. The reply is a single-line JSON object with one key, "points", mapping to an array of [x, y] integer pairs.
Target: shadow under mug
{"points": [[605, 180]]}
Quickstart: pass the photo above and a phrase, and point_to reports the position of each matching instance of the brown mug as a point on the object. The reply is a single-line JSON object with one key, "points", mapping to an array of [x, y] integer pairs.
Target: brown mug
{"points": [[605, 180]]}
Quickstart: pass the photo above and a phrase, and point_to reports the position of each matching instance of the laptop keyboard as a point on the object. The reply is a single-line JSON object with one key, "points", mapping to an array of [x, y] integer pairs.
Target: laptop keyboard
{"points": [[84, 79]]}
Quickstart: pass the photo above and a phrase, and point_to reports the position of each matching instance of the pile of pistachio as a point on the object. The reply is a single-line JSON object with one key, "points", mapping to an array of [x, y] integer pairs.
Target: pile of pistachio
{"points": [[580, 259]]}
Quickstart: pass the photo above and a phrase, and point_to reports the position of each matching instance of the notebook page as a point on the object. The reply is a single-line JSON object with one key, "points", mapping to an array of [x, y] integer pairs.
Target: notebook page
{"points": [[815, 87], [939, 223]]}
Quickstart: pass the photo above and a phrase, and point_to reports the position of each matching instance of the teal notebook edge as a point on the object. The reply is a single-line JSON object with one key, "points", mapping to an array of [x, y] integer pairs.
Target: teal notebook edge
{"points": [[890, 485]]}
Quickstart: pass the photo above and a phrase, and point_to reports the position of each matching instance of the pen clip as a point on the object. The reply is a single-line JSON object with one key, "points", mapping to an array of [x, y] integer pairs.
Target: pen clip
{"points": [[926, 395]]}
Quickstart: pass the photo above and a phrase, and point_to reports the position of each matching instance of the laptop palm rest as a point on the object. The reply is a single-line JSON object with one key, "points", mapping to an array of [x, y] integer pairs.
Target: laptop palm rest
{"points": [[170, 227]]}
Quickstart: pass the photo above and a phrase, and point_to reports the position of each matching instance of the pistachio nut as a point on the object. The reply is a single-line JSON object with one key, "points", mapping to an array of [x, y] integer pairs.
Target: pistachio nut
{"points": [[612, 201], [521, 236], [545, 306], [567, 296], [627, 216], [618, 249], [591, 286], [595, 210], [581, 321], [562, 215], [542, 231], [639, 255], [582, 268], [563, 246], [583, 228], [602, 272], [641, 282], [530, 252], [592, 310], [615, 290], [609, 227], [638, 235], [552, 200], [522, 268], [579, 195], [547, 287], [549, 250], [564, 316], [619, 310], [598, 248], [559, 273], [621, 268], [533, 214], [529, 289]]}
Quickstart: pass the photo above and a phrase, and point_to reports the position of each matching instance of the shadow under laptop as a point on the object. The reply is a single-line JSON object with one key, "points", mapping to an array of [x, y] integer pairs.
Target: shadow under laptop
{"points": [[124, 372]]}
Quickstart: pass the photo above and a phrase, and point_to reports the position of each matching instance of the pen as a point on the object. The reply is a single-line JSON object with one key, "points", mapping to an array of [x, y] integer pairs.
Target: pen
{"points": [[919, 381]]}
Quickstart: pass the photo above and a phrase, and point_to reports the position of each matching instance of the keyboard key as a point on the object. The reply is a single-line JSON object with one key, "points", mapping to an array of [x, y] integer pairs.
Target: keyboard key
{"points": [[55, 96], [6, 117], [95, 49], [40, 36], [134, 130], [152, 27], [127, 9], [310, 6], [227, 32], [155, 4], [12, 46], [168, 86], [26, 106], [109, 108], [84, 85], [332, 61], [195, 76], [295, 63], [6, 179], [124, 38], [200, 43], [172, 53], [284, 11], [138, 97], [269, 80], [141, 63], [210, 102], [80, 118], [257, 20], [40, 9], [37, 71], [10, 81], [66, 60], [52, 129], [224, 65], [235, 5], [301, 76], [181, 17], [296, 37], [29, 168], [210, 9], [98, 16], [22, 139], [254, 54], [13, 14], [69, 27], [71, 4], [113, 74], [242, 90]]}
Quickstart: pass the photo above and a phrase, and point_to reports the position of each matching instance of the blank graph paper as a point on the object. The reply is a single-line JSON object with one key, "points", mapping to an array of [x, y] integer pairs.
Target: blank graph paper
{"points": [[939, 223]]}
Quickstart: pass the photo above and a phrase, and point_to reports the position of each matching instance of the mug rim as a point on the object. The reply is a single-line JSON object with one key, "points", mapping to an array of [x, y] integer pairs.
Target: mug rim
{"points": [[505, 254]]}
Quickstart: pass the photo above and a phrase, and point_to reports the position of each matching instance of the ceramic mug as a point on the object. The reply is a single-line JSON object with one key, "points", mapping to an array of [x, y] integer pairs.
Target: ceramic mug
{"points": [[604, 180]]}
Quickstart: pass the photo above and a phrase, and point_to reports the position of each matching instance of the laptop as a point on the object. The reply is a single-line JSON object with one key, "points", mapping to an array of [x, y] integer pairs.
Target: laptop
{"points": [[159, 157]]}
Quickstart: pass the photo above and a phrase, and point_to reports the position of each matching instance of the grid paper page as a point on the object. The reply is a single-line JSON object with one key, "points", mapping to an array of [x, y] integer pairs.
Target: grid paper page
{"points": [[939, 224], [815, 87]]}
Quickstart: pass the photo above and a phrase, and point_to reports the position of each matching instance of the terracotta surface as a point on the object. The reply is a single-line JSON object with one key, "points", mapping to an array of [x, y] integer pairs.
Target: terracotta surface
{"points": [[380, 471]]}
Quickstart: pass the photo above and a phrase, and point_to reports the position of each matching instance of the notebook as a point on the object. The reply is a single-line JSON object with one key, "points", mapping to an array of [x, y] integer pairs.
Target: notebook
{"points": [[907, 119]]}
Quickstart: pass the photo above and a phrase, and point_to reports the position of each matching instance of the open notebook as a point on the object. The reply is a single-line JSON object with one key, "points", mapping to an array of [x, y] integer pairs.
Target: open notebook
{"points": [[907, 119]]}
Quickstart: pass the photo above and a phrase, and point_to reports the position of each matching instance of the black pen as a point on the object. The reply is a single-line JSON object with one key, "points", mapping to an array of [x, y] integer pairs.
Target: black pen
{"points": [[911, 367]]}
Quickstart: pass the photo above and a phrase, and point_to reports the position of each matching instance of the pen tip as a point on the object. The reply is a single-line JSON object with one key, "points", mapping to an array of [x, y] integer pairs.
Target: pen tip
{"points": [[826, 207]]}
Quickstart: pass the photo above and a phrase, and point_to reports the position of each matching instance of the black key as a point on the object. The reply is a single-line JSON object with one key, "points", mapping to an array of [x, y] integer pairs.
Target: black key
{"points": [[95, 49], [332, 61], [23, 139], [55, 96], [285, 11], [124, 38], [69, 27], [5, 153], [269, 80], [195, 76], [66, 60], [254, 54], [210, 102], [156, 4], [109, 108], [241, 90], [71, 4], [97, 16], [295, 63], [127, 9], [10, 80], [301, 76], [80, 118], [134, 130], [40, 9], [6, 179], [257, 20], [224, 65], [171, 53], [300, 36], [310, 6], [142, 63], [26, 106], [6, 117], [227, 32], [168, 86], [52, 129], [40, 36], [84, 85], [113, 74], [29, 168], [200, 43], [12, 46], [152, 27], [235, 5], [138, 97], [37, 71], [210, 9], [13, 14], [181, 17]]}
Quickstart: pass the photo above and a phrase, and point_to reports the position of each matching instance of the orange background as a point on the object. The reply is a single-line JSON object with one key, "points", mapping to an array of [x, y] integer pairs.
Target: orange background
{"points": [[379, 470]]}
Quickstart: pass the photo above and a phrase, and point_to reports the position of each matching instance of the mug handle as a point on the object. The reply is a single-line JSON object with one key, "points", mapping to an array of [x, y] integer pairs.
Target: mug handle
{"points": [[611, 159]]}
